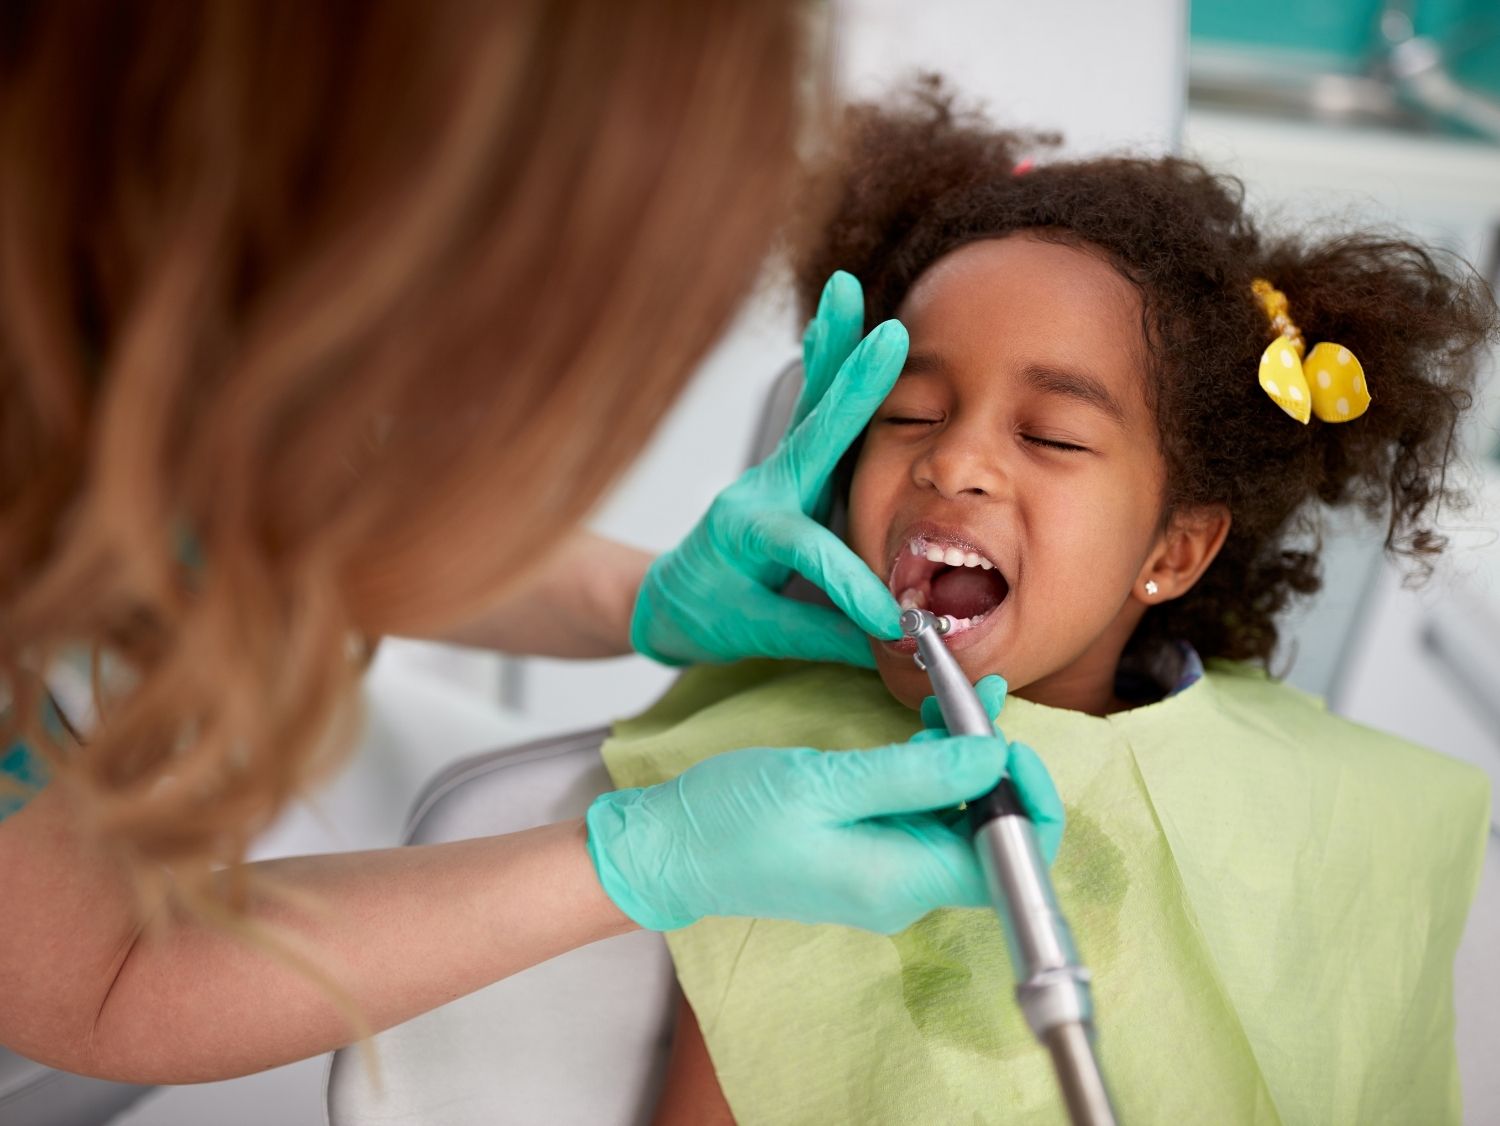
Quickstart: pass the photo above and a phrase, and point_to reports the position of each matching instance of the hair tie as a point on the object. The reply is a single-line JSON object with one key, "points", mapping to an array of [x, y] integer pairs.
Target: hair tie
{"points": [[1331, 383]]}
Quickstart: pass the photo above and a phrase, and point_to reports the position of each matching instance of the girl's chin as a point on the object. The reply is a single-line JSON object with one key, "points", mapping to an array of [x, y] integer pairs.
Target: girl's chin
{"points": [[909, 690]]}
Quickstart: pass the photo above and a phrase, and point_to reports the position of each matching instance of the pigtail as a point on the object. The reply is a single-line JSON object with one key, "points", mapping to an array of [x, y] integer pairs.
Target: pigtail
{"points": [[1419, 322]]}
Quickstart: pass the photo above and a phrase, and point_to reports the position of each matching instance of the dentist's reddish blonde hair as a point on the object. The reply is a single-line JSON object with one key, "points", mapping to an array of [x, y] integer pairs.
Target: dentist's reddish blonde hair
{"points": [[315, 319]]}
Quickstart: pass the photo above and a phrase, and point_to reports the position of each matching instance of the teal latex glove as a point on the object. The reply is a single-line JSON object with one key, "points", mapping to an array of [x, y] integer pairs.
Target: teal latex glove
{"points": [[715, 597], [1027, 772], [795, 833]]}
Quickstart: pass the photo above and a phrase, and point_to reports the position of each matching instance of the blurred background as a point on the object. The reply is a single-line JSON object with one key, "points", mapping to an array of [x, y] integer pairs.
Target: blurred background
{"points": [[1350, 109]]}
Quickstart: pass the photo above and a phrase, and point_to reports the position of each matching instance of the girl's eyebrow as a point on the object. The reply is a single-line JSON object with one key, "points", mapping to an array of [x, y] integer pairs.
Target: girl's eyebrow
{"points": [[1075, 385], [923, 363]]}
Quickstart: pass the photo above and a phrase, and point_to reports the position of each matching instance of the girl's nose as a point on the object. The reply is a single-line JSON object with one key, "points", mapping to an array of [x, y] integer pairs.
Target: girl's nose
{"points": [[957, 464]]}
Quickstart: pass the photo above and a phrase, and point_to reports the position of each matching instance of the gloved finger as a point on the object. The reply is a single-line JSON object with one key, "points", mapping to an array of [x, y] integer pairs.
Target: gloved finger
{"points": [[909, 777], [831, 336], [1038, 793], [796, 542], [812, 451], [932, 717], [928, 734], [822, 506], [801, 631], [991, 692]]}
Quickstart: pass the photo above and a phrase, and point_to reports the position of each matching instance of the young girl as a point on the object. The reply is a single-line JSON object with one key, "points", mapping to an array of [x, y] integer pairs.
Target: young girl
{"points": [[1122, 411]]}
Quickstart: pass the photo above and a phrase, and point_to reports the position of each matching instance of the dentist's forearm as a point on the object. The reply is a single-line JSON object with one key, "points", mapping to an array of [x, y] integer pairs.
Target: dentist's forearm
{"points": [[578, 605], [400, 931]]}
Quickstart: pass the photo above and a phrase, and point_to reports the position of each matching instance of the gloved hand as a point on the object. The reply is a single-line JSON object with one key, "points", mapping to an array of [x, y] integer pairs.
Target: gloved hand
{"points": [[1027, 772], [795, 833], [715, 596]]}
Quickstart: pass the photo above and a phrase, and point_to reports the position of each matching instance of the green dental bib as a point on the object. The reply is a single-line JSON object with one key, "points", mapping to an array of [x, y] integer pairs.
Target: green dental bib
{"points": [[1269, 897]]}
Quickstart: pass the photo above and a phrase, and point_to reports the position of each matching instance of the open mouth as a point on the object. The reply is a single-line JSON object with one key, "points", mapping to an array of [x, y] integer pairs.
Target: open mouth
{"points": [[948, 578]]}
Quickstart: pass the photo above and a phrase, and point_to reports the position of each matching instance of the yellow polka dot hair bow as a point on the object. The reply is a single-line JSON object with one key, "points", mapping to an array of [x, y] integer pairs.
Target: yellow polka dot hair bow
{"points": [[1330, 383]]}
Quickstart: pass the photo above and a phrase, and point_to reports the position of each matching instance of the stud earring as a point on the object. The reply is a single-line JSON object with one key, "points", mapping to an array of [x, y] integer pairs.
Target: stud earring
{"points": [[1151, 587]]}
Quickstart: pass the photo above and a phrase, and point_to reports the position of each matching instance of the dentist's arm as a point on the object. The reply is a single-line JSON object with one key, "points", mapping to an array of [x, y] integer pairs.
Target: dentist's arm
{"points": [[788, 833], [578, 604], [400, 931]]}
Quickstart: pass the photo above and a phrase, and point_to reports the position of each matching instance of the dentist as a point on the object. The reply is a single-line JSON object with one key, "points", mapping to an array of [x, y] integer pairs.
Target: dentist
{"points": [[315, 321]]}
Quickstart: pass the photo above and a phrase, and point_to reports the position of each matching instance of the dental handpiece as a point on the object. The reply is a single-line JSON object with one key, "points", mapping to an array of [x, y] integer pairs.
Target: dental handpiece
{"points": [[1052, 985]]}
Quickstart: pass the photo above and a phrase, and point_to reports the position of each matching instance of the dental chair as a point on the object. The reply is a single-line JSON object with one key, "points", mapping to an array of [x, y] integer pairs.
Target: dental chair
{"points": [[34, 1095], [580, 1038]]}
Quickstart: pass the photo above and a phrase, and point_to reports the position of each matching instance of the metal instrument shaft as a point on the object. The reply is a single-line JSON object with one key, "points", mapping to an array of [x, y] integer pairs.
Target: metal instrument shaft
{"points": [[1052, 985]]}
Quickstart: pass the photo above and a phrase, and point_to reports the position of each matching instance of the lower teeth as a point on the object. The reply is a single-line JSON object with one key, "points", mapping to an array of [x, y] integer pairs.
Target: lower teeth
{"points": [[967, 623], [913, 599]]}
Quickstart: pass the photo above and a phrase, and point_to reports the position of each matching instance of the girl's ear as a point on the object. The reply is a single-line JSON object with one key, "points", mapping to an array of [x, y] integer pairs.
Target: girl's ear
{"points": [[1182, 554]]}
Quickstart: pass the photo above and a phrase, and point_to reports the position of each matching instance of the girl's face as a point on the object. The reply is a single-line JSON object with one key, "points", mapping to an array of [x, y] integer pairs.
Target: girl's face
{"points": [[1017, 437]]}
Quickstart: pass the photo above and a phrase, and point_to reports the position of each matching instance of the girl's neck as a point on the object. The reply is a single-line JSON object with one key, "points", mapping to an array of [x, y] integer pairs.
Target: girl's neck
{"points": [[1086, 685]]}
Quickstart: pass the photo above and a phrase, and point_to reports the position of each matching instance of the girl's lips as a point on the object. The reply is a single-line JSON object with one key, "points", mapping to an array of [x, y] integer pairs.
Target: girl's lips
{"points": [[927, 549]]}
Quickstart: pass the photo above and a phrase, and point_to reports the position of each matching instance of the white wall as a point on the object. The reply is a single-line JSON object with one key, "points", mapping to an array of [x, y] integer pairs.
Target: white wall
{"points": [[1107, 74]]}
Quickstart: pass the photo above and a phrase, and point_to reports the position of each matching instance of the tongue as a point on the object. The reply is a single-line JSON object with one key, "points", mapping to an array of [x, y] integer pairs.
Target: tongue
{"points": [[963, 592]]}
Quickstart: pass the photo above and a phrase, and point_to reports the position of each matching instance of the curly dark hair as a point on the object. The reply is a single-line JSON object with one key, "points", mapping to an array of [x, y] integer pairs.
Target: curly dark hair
{"points": [[916, 179]]}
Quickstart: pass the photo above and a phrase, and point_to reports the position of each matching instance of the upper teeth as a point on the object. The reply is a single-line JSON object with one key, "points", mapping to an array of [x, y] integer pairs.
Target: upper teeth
{"points": [[952, 556]]}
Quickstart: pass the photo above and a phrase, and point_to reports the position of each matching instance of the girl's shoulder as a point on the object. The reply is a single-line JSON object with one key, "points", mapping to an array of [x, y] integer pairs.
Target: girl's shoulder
{"points": [[1243, 764]]}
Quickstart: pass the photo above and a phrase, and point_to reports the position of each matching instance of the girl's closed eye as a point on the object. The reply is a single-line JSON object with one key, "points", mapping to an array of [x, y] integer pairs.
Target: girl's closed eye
{"points": [[1054, 444], [909, 415], [913, 418]]}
